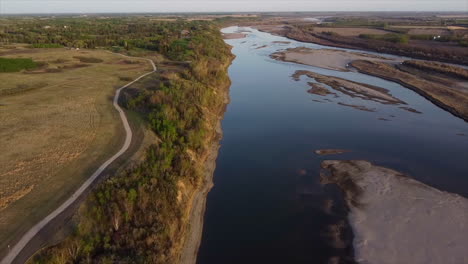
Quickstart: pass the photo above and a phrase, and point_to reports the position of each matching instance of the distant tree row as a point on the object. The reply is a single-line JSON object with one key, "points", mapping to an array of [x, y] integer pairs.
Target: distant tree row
{"points": [[169, 38]]}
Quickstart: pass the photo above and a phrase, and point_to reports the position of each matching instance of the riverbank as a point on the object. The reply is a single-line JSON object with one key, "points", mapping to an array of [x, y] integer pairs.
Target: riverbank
{"points": [[197, 206], [303, 33], [397, 219], [438, 91]]}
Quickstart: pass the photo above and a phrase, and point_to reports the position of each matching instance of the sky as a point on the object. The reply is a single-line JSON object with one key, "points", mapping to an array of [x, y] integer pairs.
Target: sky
{"points": [[132, 6]]}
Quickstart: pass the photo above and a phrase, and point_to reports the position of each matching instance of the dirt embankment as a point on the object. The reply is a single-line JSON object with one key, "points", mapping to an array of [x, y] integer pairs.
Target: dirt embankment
{"points": [[396, 219], [452, 54], [447, 97], [324, 58]]}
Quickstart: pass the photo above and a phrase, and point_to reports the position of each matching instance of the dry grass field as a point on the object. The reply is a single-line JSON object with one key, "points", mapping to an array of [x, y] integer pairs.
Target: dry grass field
{"points": [[57, 124]]}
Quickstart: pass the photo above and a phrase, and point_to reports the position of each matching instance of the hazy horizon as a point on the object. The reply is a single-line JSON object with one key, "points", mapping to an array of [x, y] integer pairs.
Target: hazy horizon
{"points": [[203, 6]]}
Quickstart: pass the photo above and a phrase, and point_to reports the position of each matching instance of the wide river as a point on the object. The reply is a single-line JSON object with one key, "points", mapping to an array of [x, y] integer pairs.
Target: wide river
{"points": [[266, 204]]}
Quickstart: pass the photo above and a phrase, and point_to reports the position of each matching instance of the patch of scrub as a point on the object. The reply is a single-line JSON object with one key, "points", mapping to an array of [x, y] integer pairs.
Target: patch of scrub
{"points": [[397, 219]]}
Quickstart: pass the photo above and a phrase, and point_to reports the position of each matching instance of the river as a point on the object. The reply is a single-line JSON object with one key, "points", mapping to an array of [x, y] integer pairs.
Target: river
{"points": [[267, 202]]}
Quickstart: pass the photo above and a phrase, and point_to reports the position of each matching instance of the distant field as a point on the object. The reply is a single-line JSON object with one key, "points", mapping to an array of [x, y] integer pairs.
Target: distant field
{"points": [[57, 124], [350, 31]]}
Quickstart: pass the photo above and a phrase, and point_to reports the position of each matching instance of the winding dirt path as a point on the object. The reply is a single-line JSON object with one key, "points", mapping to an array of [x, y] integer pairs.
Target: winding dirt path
{"points": [[16, 250]]}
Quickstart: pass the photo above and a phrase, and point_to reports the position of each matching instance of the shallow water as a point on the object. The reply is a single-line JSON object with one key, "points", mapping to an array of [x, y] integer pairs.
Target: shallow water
{"points": [[263, 209]]}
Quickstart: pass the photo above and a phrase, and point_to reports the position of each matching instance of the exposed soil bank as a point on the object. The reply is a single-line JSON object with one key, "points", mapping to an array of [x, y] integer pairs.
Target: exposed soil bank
{"points": [[324, 58], [397, 219], [453, 100]]}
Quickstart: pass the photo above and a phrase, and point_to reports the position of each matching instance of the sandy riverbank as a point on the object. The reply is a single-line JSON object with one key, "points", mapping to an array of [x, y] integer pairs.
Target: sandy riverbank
{"points": [[325, 58], [397, 219]]}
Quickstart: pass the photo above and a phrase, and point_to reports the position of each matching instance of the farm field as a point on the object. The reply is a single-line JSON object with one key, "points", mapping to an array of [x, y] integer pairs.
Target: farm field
{"points": [[57, 125]]}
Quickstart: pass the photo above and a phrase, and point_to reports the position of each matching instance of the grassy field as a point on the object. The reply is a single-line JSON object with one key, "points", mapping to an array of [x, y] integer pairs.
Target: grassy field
{"points": [[57, 124]]}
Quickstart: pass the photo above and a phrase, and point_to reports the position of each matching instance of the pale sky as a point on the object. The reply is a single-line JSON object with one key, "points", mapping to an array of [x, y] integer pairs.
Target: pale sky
{"points": [[131, 6]]}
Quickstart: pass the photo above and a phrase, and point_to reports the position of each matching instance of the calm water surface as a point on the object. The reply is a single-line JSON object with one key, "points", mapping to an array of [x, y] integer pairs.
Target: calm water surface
{"points": [[263, 208]]}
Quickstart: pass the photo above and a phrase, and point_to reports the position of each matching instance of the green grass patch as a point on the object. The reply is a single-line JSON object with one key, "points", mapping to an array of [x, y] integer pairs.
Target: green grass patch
{"points": [[16, 64]]}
